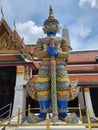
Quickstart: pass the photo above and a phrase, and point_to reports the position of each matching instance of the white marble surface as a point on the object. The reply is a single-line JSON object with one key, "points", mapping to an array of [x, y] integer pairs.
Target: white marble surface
{"points": [[15, 128], [54, 127]]}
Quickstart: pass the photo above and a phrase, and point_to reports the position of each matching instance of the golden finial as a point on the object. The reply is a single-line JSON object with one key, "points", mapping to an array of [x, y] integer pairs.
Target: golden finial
{"points": [[50, 11], [23, 39], [2, 13], [14, 26]]}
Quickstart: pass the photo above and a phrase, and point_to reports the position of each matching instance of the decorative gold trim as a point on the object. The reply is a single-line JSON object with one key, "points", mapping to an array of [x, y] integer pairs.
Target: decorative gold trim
{"points": [[9, 52], [62, 93], [3, 35], [72, 94], [43, 79], [20, 69], [2, 13], [60, 79], [86, 89], [33, 95], [41, 93]]}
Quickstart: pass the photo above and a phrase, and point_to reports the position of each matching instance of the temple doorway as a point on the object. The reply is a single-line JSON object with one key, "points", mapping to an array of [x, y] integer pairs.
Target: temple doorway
{"points": [[7, 84], [94, 99]]}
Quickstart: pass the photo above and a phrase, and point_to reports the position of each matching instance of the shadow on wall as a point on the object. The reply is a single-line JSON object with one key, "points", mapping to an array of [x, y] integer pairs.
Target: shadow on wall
{"points": [[94, 99]]}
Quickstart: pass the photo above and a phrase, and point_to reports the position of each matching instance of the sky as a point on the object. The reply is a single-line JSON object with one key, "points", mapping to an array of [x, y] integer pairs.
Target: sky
{"points": [[79, 16]]}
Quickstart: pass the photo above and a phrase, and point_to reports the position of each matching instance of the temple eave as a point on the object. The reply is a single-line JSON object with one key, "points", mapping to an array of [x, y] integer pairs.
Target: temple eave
{"points": [[88, 84], [9, 51], [14, 64]]}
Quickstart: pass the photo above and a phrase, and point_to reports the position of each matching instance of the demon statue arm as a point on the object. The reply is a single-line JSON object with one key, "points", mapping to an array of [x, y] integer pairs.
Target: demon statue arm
{"points": [[39, 52], [64, 54]]}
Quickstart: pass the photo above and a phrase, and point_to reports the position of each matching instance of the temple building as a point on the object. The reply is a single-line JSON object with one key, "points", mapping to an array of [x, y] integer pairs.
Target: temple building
{"points": [[17, 67]]}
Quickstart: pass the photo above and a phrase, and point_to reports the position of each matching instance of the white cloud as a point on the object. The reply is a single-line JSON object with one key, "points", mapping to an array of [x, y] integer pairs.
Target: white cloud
{"points": [[83, 38], [81, 22], [79, 32], [29, 31], [93, 3], [75, 43], [92, 43]]}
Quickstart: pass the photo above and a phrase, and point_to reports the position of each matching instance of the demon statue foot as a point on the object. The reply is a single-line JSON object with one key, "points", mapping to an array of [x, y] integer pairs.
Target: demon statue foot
{"points": [[35, 119], [72, 119]]}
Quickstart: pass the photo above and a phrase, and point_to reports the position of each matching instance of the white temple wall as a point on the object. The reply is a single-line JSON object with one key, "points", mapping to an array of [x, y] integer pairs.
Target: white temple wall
{"points": [[88, 101], [20, 94]]}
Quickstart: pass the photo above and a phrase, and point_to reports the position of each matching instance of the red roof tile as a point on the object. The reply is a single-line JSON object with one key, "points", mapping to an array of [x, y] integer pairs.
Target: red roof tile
{"points": [[83, 56]]}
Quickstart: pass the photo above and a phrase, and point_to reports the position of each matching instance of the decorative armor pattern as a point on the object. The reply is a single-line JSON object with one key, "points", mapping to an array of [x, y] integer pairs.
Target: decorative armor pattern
{"points": [[62, 78]]}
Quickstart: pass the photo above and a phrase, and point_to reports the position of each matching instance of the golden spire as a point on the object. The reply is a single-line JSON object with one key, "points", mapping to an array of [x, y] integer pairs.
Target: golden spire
{"points": [[14, 26], [2, 13], [50, 11], [51, 20]]}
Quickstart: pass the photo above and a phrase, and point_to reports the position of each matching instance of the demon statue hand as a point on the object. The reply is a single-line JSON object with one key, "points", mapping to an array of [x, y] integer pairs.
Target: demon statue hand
{"points": [[52, 51], [65, 90]]}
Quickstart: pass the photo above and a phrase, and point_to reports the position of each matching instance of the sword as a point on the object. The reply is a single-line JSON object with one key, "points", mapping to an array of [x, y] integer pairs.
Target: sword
{"points": [[53, 86]]}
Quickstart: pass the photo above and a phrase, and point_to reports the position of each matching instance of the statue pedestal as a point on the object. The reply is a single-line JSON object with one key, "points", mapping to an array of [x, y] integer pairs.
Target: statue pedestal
{"points": [[54, 127], [51, 128]]}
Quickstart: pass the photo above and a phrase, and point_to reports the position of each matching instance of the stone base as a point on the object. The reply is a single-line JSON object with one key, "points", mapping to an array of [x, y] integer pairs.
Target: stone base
{"points": [[54, 127], [51, 128]]}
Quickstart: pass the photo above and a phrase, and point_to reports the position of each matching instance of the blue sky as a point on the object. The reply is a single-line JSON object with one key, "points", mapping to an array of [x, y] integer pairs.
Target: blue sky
{"points": [[80, 17]]}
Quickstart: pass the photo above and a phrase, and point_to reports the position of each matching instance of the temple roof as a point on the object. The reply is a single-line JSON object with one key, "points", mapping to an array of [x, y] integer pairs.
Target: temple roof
{"points": [[4, 28], [11, 42], [13, 51], [87, 56]]}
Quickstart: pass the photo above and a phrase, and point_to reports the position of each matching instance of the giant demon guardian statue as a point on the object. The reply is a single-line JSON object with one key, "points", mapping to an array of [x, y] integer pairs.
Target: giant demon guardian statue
{"points": [[53, 86]]}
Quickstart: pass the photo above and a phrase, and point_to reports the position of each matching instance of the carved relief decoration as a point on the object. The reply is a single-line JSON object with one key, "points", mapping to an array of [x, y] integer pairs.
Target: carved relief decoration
{"points": [[6, 43]]}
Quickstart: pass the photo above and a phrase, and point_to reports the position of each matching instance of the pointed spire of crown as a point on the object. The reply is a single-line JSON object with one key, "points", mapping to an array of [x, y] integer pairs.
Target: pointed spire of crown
{"points": [[51, 25], [50, 11]]}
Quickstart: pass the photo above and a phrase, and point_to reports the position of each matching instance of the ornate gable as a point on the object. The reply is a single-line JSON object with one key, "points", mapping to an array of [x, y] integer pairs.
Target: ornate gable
{"points": [[4, 28], [11, 43]]}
